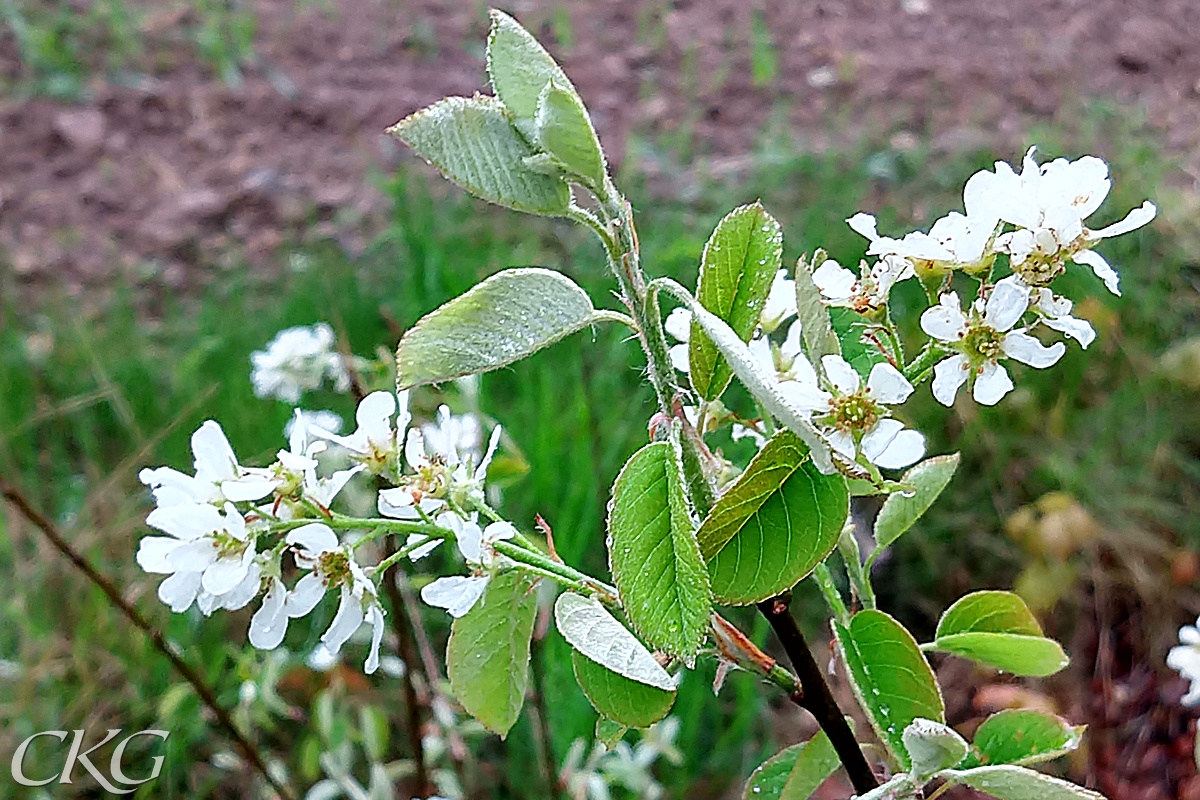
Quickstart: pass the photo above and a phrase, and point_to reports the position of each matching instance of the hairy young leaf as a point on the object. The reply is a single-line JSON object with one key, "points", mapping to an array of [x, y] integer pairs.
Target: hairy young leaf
{"points": [[653, 554], [902, 509], [739, 262], [755, 377], [779, 520], [1018, 783], [487, 657], [998, 629], [816, 330], [507, 317], [793, 773], [891, 678], [520, 68], [474, 144], [565, 131], [589, 628], [632, 704], [1019, 736], [933, 747]]}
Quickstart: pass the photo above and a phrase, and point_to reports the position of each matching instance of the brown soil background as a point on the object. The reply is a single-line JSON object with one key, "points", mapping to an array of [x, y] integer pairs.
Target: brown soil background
{"points": [[159, 172]]}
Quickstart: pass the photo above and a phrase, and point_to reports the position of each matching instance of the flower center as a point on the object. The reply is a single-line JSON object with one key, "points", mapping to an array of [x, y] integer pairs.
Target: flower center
{"points": [[982, 343], [334, 567], [227, 544], [853, 412]]}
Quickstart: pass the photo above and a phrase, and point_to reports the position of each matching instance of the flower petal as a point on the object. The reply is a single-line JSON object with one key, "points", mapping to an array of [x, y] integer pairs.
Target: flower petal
{"points": [[992, 384], [1101, 267], [835, 281], [154, 553], [315, 537], [247, 589], [248, 488], [415, 453], [224, 574], [906, 449], [215, 460], [948, 377], [842, 442], [886, 384], [863, 225], [679, 357], [423, 550], [679, 324], [304, 597], [841, 374], [186, 521], [1133, 220], [172, 487], [945, 321], [876, 440], [1028, 350], [346, 621], [470, 542], [1005, 305], [805, 396], [269, 623], [375, 617], [179, 591], [456, 593]]}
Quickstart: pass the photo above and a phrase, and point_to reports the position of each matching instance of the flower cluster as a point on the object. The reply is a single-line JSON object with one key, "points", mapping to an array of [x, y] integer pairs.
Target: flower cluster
{"points": [[298, 360], [230, 531], [1018, 233]]}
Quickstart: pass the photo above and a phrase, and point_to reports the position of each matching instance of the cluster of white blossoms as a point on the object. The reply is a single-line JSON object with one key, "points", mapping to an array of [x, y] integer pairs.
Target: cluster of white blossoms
{"points": [[1035, 219], [234, 533], [296, 361]]}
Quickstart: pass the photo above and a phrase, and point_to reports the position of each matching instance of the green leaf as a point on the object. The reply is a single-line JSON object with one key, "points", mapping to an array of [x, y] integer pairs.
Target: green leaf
{"points": [[608, 732], [507, 317], [1018, 783], [589, 628], [998, 629], [758, 380], [1019, 736], [779, 520], [795, 772], [487, 656], [902, 509], [891, 678], [849, 326], [473, 143], [816, 330], [565, 131], [933, 747], [1028, 656], [653, 554], [632, 704], [736, 270], [520, 68]]}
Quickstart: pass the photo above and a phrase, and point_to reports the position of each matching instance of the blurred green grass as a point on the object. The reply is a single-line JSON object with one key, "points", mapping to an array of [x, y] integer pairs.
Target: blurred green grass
{"points": [[90, 397]]}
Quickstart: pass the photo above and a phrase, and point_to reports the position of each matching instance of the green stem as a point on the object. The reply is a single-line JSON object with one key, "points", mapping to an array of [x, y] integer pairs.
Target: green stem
{"points": [[852, 556], [920, 368], [383, 566], [568, 576], [833, 598]]}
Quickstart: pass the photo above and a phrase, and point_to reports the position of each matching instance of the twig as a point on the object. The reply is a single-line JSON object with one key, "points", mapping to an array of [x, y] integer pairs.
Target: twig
{"points": [[817, 698], [202, 689], [540, 721], [442, 709]]}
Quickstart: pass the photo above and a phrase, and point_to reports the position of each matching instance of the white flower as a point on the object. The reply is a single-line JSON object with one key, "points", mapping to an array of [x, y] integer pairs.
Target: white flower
{"points": [[1185, 659], [374, 442], [269, 623], [679, 325], [457, 593], [781, 303], [856, 415], [298, 360], [208, 552], [981, 339], [455, 437], [332, 566], [218, 477], [840, 287], [296, 468], [1049, 204]]}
